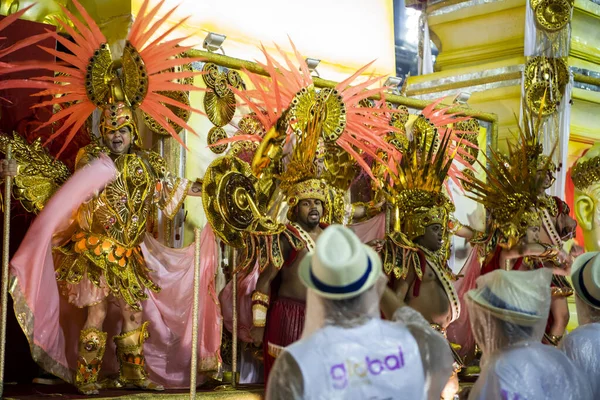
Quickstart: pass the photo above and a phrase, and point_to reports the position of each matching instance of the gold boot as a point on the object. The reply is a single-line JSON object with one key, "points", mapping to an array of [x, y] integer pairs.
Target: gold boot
{"points": [[130, 353], [92, 344]]}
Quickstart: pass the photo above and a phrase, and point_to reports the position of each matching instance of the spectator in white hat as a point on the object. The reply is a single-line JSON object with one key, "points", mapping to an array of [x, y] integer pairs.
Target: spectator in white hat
{"points": [[347, 351], [582, 345], [508, 313]]}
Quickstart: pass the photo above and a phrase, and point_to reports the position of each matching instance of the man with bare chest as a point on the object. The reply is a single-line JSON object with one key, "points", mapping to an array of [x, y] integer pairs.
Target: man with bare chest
{"points": [[278, 303]]}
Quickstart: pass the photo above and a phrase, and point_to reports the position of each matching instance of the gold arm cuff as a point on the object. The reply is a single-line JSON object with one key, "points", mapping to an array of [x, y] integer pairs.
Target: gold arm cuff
{"points": [[259, 296]]}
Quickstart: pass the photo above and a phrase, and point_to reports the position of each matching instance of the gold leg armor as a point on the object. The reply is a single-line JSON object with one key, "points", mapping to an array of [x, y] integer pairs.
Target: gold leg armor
{"points": [[92, 344], [130, 353]]}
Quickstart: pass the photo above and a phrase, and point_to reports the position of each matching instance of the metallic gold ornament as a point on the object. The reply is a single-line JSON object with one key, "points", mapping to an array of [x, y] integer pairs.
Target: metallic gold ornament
{"points": [[469, 133], [184, 114], [180, 96], [135, 76], [250, 125], [219, 101], [553, 15], [340, 168], [226, 186], [40, 175], [542, 92], [425, 131], [214, 135], [586, 173], [229, 197], [99, 67], [545, 76], [305, 105]]}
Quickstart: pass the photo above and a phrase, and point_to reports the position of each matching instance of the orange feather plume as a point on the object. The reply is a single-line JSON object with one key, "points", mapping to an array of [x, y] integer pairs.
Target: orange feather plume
{"points": [[69, 90]]}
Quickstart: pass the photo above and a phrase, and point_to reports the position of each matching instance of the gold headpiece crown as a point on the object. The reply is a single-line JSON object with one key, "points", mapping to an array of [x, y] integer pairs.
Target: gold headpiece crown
{"points": [[416, 222], [307, 189], [586, 173]]}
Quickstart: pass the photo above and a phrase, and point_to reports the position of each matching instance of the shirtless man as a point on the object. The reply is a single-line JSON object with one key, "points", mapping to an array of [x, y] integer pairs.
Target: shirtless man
{"points": [[419, 274], [435, 305], [278, 303]]}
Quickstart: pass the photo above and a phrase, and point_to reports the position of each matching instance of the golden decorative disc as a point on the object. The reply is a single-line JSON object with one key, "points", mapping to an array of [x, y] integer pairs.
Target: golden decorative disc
{"points": [[235, 79], [96, 77], [250, 125], [472, 151], [214, 135], [303, 107], [534, 95], [553, 15], [211, 75], [226, 188]]}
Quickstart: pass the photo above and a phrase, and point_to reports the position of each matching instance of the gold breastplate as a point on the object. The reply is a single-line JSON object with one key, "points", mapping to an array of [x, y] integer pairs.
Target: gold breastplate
{"points": [[121, 210]]}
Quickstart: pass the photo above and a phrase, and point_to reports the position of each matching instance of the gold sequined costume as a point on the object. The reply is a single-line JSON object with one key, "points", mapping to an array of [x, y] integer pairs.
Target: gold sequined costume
{"points": [[106, 248]]}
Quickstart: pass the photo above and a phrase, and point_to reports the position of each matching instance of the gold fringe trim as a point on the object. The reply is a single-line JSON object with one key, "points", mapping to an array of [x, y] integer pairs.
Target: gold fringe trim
{"points": [[26, 321]]}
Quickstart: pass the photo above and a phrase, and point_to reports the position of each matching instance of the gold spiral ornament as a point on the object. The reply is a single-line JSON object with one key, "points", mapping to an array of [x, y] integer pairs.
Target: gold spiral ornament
{"points": [[227, 193], [553, 15]]}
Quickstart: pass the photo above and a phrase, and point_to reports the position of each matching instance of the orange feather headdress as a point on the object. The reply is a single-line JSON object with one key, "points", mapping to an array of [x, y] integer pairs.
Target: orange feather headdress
{"points": [[88, 77]]}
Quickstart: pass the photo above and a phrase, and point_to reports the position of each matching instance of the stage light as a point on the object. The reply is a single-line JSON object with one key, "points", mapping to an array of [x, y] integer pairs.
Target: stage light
{"points": [[392, 85], [312, 64], [214, 42], [462, 98]]}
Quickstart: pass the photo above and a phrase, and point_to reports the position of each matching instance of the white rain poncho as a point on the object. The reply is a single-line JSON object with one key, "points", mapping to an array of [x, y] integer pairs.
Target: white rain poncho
{"points": [[508, 312], [348, 352], [582, 346]]}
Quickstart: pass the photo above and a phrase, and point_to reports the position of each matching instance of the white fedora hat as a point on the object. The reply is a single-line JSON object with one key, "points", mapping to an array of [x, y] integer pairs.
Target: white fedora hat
{"points": [[585, 275], [521, 297], [341, 266]]}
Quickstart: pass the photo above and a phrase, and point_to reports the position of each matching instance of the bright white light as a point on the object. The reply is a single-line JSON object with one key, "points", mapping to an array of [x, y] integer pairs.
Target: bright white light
{"points": [[412, 26], [344, 34]]}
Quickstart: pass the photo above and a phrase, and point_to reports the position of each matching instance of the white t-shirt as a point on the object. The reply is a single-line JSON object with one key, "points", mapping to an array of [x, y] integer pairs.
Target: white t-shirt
{"points": [[582, 346], [530, 371], [376, 360]]}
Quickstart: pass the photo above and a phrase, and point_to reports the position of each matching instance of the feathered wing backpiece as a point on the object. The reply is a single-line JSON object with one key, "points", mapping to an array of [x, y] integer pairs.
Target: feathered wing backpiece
{"points": [[89, 78], [289, 106]]}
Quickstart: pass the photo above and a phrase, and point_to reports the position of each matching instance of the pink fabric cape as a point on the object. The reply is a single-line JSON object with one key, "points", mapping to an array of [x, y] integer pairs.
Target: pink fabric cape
{"points": [[460, 331], [52, 325], [371, 229]]}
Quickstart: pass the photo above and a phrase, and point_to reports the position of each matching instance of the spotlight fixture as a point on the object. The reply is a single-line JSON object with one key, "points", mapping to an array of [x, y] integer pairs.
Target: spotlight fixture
{"points": [[214, 42], [462, 98], [312, 64], [392, 85]]}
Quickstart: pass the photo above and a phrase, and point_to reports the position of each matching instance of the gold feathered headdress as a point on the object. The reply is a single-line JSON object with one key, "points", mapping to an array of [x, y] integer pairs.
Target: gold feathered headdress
{"points": [[513, 183], [294, 113]]}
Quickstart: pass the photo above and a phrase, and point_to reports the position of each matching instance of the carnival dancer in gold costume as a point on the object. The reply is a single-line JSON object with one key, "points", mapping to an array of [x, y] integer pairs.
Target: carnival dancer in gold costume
{"points": [[528, 225], [298, 119], [101, 261]]}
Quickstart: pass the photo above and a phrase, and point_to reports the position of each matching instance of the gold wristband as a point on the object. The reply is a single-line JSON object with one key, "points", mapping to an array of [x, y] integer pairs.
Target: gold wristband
{"points": [[260, 306], [259, 315]]}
